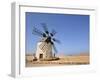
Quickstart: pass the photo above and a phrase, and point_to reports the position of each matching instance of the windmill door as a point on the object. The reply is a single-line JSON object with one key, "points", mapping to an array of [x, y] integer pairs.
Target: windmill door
{"points": [[41, 56]]}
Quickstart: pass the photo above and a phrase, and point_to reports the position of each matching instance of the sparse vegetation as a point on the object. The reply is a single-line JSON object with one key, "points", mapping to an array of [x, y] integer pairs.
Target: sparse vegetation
{"points": [[50, 59]]}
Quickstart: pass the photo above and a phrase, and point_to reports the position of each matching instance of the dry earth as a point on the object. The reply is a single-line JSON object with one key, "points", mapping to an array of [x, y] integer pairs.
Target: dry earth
{"points": [[64, 60]]}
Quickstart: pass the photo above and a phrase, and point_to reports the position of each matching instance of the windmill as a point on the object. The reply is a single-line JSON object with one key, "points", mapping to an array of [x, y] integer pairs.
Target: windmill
{"points": [[46, 48]]}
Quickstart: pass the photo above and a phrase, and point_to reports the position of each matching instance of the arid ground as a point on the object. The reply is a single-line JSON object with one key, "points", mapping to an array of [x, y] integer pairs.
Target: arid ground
{"points": [[63, 60]]}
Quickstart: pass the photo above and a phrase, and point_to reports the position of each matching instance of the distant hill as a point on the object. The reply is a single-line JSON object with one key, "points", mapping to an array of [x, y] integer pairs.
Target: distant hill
{"points": [[29, 54], [75, 54]]}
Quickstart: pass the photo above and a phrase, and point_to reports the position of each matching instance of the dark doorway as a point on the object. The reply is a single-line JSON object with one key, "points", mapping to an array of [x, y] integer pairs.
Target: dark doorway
{"points": [[41, 56]]}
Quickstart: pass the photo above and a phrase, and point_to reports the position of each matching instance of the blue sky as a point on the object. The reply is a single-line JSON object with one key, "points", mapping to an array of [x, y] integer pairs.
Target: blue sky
{"points": [[72, 31]]}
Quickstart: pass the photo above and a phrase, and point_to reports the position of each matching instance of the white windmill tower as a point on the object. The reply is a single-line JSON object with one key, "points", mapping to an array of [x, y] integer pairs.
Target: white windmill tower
{"points": [[45, 47]]}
